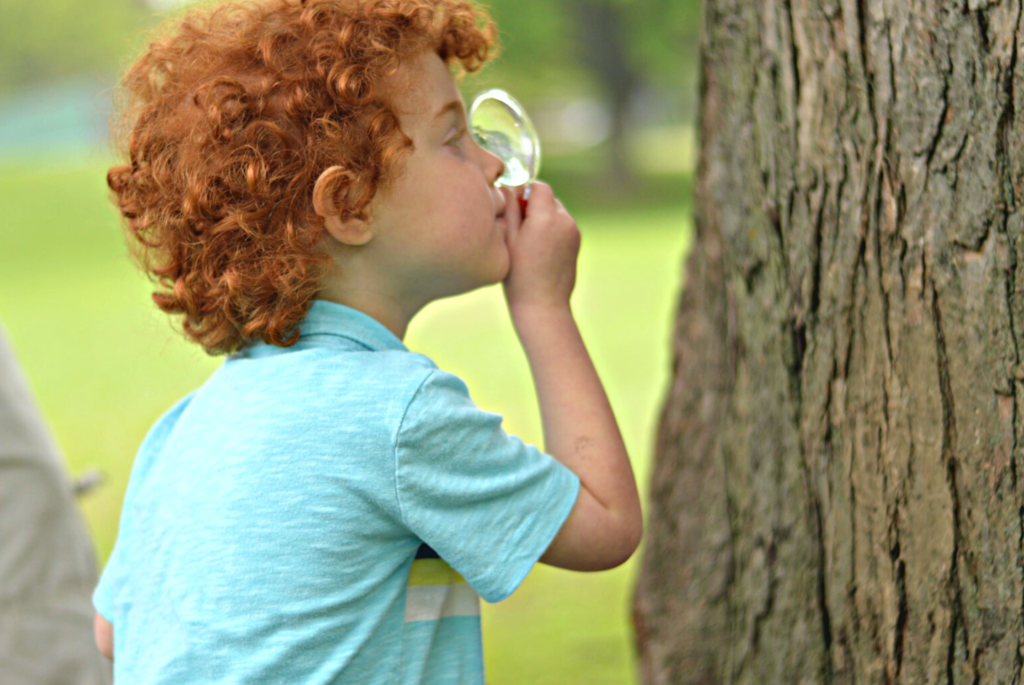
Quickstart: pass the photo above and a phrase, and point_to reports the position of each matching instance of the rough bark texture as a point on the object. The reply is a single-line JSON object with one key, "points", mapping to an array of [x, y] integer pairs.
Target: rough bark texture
{"points": [[836, 496]]}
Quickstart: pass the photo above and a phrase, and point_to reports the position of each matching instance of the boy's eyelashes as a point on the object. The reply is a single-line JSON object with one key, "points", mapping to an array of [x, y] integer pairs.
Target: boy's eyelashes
{"points": [[457, 138]]}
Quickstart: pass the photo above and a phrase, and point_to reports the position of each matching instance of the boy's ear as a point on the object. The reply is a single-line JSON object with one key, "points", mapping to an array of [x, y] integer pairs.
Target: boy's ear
{"points": [[352, 232]]}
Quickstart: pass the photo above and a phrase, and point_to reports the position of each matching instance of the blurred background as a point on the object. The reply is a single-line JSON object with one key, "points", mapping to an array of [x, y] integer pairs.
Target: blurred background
{"points": [[612, 88]]}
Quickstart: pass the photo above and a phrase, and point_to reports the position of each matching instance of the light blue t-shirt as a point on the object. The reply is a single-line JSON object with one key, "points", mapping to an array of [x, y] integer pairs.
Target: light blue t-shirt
{"points": [[325, 513]]}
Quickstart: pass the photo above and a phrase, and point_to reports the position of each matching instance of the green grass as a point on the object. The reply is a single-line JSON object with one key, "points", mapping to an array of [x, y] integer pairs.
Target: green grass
{"points": [[104, 364]]}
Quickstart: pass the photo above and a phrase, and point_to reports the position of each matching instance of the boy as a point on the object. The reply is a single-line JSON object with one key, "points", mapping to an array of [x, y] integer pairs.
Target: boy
{"points": [[328, 506]]}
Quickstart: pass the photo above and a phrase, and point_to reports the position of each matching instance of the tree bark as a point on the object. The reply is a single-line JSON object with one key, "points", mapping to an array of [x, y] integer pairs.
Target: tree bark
{"points": [[835, 497]]}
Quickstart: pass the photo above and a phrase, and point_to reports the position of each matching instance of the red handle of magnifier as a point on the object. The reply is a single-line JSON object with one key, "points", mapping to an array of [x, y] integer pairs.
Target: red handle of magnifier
{"points": [[524, 198]]}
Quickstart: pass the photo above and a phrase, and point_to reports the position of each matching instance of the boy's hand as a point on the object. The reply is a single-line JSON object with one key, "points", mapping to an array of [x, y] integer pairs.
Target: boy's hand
{"points": [[542, 246]]}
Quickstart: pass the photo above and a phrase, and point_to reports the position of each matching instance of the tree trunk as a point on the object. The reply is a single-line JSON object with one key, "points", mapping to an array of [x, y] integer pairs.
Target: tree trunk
{"points": [[835, 497]]}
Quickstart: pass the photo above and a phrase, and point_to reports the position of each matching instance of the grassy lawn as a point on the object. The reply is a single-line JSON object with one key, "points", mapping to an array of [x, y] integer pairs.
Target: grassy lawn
{"points": [[105, 363]]}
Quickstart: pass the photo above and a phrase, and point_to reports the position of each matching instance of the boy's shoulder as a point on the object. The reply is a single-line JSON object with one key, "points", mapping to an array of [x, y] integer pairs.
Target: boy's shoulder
{"points": [[326, 363], [391, 379], [383, 369], [408, 377], [402, 384]]}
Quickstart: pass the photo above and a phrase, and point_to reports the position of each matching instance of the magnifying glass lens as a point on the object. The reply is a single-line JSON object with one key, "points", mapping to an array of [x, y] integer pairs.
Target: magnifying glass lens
{"points": [[500, 125]]}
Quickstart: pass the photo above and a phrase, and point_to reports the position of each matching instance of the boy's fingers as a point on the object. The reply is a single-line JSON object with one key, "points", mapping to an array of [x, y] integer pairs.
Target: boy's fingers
{"points": [[542, 200], [513, 211], [542, 194]]}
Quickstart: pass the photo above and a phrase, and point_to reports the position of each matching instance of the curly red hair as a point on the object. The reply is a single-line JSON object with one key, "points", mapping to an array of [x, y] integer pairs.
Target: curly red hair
{"points": [[229, 122]]}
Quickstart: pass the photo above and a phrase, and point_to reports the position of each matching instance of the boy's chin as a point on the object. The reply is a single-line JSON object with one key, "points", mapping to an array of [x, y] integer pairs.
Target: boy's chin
{"points": [[495, 275], [503, 272], [494, 272]]}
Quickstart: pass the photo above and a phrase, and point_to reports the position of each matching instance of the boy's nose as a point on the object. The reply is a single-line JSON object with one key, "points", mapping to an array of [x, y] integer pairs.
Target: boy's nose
{"points": [[493, 165]]}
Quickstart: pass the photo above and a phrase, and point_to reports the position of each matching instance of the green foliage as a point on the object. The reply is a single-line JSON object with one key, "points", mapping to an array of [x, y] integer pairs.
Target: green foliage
{"points": [[47, 40], [540, 53], [535, 57], [662, 36]]}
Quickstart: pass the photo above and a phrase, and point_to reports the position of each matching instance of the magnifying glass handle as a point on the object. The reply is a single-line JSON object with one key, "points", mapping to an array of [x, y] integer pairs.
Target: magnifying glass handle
{"points": [[524, 200]]}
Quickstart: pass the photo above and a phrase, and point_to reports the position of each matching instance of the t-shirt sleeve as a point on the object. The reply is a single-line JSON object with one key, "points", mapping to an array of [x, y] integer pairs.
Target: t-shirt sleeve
{"points": [[111, 580], [485, 501]]}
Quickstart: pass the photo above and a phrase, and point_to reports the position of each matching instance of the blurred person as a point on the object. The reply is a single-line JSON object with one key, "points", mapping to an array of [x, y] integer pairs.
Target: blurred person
{"points": [[47, 563], [329, 506]]}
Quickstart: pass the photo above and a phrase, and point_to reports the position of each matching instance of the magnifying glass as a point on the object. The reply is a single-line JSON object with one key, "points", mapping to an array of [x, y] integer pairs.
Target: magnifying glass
{"points": [[500, 125]]}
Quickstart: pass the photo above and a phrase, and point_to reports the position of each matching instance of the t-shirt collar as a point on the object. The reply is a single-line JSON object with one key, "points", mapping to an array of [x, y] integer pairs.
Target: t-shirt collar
{"points": [[332, 318]]}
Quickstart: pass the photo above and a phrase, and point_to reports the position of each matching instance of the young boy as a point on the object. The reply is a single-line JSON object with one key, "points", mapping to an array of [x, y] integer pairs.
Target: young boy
{"points": [[329, 506]]}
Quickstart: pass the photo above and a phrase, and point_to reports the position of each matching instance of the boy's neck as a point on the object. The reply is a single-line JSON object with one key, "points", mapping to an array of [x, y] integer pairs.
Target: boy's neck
{"points": [[356, 282], [386, 311]]}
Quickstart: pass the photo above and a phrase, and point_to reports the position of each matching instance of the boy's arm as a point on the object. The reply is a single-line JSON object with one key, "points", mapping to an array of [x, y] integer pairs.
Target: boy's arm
{"points": [[103, 632], [605, 525]]}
